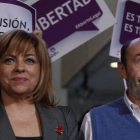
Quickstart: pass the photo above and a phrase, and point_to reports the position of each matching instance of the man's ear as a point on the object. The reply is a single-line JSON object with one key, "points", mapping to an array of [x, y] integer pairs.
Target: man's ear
{"points": [[122, 70]]}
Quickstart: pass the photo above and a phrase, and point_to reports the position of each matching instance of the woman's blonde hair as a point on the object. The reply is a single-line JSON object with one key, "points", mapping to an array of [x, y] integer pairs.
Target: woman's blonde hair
{"points": [[20, 41]]}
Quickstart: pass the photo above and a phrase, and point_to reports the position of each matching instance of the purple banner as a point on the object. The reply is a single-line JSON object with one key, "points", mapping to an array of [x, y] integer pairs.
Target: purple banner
{"points": [[60, 18], [131, 22], [21, 4]]}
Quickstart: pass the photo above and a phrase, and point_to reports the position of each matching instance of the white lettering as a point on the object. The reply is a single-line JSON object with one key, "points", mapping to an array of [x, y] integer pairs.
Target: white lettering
{"points": [[128, 28], [86, 1], [77, 4], [43, 23], [60, 12], [51, 17], [138, 18], [137, 30], [130, 16], [68, 7]]}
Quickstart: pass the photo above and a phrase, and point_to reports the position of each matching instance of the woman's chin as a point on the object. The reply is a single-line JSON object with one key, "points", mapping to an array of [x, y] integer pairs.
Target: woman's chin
{"points": [[19, 93]]}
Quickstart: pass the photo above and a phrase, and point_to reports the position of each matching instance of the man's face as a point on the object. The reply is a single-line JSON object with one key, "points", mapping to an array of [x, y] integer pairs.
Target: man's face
{"points": [[133, 68]]}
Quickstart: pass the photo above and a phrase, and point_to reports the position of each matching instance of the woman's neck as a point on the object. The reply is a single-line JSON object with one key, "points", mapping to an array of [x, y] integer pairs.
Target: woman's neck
{"points": [[13, 104]]}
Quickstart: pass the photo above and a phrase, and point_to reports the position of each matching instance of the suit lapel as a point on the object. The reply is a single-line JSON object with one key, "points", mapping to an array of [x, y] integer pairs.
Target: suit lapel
{"points": [[6, 132], [48, 123]]}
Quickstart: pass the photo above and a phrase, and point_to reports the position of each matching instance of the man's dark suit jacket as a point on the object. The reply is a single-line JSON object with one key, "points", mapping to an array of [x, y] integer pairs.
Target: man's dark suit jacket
{"points": [[50, 119]]}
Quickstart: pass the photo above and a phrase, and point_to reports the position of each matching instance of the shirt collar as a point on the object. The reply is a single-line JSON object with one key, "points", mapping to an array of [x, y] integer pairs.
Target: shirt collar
{"points": [[129, 104]]}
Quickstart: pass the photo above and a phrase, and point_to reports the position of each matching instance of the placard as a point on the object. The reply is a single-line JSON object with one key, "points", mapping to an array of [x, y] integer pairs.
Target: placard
{"points": [[66, 24], [16, 15], [127, 26]]}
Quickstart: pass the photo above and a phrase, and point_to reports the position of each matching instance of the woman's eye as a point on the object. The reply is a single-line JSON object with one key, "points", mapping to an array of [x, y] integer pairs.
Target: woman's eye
{"points": [[9, 60], [138, 60], [31, 61]]}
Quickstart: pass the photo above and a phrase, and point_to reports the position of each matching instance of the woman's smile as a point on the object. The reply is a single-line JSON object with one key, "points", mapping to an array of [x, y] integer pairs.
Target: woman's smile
{"points": [[20, 79]]}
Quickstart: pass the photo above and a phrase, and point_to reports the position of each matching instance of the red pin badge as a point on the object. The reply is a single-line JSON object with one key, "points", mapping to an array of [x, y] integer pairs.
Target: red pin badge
{"points": [[59, 130]]}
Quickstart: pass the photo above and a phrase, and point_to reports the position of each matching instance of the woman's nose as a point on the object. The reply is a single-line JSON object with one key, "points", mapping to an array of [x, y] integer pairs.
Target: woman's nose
{"points": [[20, 67]]}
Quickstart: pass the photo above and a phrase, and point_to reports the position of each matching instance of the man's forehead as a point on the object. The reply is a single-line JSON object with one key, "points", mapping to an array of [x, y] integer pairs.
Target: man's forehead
{"points": [[134, 42], [133, 48]]}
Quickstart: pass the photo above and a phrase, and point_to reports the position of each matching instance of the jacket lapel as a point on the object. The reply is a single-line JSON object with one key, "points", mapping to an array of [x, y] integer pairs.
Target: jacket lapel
{"points": [[6, 132], [48, 123]]}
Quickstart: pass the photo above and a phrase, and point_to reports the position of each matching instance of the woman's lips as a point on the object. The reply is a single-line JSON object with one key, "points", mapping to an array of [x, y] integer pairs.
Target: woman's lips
{"points": [[20, 79]]}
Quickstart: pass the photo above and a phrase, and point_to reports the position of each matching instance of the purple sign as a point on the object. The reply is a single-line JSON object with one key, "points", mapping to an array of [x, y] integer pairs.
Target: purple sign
{"points": [[60, 18], [10, 18], [131, 22]]}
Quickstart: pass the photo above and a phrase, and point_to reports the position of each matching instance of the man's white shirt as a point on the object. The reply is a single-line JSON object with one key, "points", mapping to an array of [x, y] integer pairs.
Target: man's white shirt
{"points": [[86, 127]]}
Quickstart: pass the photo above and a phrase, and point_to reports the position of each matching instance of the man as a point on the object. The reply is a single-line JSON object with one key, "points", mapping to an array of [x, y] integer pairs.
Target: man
{"points": [[119, 120]]}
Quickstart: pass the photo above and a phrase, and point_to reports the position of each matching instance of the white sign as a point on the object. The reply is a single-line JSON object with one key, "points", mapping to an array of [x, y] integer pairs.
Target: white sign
{"points": [[14, 16], [30, 2]]}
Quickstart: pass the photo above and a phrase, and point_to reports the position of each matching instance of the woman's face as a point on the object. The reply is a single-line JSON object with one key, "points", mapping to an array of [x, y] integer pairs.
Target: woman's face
{"points": [[19, 74]]}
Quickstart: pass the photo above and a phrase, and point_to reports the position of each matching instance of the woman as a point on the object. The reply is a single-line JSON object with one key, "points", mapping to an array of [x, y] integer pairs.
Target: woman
{"points": [[27, 108]]}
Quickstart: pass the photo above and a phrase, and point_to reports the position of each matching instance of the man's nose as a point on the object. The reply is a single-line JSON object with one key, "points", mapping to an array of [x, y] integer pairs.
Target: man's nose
{"points": [[20, 67]]}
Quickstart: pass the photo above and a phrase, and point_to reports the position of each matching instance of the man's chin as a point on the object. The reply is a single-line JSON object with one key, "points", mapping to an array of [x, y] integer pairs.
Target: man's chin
{"points": [[136, 95]]}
